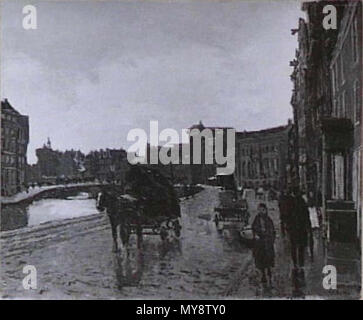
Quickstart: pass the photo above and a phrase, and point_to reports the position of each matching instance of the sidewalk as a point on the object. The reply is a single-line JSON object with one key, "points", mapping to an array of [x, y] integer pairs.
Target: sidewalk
{"points": [[285, 285]]}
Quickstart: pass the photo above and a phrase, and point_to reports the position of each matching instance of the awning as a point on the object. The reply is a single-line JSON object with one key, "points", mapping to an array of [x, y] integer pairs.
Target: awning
{"points": [[338, 133]]}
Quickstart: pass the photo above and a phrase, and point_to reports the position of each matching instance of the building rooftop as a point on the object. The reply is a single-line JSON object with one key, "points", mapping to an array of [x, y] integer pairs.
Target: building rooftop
{"points": [[263, 131], [201, 126], [5, 105]]}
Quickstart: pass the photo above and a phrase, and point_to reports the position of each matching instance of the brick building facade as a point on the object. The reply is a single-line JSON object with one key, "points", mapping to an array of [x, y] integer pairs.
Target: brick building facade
{"points": [[342, 135], [106, 165], [54, 166], [261, 158], [311, 99], [207, 169], [346, 78], [14, 144], [326, 104]]}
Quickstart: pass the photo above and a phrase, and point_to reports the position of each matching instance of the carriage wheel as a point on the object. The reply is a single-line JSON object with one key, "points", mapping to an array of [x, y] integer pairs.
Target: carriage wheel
{"points": [[170, 224], [216, 221], [177, 227], [139, 236], [163, 234], [156, 229]]}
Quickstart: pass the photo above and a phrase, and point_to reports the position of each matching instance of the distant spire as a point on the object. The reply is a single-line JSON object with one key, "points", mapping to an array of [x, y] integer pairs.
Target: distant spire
{"points": [[49, 145]]}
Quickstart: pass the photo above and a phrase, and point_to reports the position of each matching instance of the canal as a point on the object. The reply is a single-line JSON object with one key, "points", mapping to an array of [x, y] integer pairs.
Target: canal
{"points": [[44, 210], [58, 204], [57, 209]]}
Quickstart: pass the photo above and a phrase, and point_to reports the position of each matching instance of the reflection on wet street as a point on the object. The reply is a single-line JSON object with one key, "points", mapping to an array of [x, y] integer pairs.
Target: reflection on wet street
{"points": [[78, 262]]}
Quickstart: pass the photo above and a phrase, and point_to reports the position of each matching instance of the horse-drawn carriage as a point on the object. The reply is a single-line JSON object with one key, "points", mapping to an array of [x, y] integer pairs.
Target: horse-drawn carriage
{"points": [[232, 212], [148, 205]]}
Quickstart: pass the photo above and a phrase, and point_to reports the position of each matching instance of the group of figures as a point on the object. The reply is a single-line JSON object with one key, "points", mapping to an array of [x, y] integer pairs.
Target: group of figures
{"points": [[147, 201], [295, 224]]}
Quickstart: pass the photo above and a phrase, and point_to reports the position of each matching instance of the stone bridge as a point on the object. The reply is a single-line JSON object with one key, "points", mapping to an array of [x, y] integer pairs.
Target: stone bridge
{"points": [[54, 192]]}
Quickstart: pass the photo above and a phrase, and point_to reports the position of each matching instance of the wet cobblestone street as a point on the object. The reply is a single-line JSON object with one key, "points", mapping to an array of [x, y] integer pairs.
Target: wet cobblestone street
{"points": [[77, 262], [74, 260]]}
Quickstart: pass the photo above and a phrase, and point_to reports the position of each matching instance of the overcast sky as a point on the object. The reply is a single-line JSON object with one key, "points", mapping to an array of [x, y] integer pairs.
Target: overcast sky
{"points": [[92, 71]]}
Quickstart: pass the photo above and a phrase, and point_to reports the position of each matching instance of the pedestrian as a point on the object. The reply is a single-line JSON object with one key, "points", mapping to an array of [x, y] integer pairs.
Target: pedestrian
{"points": [[264, 237], [286, 202], [314, 223], [313, 214], [299, 230]]}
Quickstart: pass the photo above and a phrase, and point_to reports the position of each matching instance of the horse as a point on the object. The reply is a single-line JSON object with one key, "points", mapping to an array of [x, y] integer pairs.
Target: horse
{"points": [[150, 199], [121, 212]]}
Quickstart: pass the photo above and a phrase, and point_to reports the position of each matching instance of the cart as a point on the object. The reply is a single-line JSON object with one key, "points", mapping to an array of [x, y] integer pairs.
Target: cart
{"points": [[232, 212]]}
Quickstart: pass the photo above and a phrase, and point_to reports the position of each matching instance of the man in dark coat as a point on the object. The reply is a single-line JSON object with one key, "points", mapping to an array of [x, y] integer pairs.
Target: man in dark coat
{"points": [[264, 235], [286, 203], [299, 230]]}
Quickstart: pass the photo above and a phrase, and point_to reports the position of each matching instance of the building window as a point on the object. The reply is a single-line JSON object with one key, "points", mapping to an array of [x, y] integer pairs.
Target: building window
{"points": [[343, 107], [354, 37], [336, 107], [336, 72], [333, 79], [244, 173], [357, 106], [341, 69]]}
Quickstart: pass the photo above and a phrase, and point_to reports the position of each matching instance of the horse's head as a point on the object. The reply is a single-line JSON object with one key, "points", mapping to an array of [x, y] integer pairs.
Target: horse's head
{"points": [[107, 199], [101, 202]]}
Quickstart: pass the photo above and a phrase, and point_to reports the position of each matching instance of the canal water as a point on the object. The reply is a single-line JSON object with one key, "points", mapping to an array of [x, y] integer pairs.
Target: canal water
{"points": [[57, 209], [67, 204], [45, 210]]}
